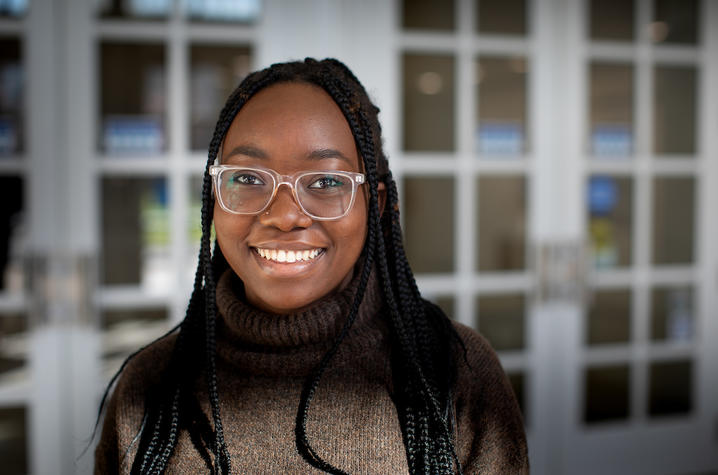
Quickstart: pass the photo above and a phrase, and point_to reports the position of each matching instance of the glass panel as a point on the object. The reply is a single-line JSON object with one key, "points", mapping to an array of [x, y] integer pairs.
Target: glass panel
{"points": [[517, 380], [674, 114], [612, 19], [671, 388], [428, 102], [447, 305], [609, 317], [11, 97], [13, 440], [240, 11], [607, 393], [13, 350], [136, 233], [135, 9], [215, 72], [125, 331], [13, 234], [501, 320], [672, 313], [673, 220], [610, 224], [12, 8], [428, 14], [675, 21], [501, 232], [501, 16], [429, 223], [611, 119], [133, 99], [501, 106]]}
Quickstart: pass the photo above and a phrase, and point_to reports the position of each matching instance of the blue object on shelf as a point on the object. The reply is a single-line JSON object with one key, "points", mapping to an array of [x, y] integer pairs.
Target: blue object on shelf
{"points": [[612, 140], [159, 191], [14, 8], [8, 136], [223, 10], [150, 8], [602, 195], [500, 138], [133, 135]]}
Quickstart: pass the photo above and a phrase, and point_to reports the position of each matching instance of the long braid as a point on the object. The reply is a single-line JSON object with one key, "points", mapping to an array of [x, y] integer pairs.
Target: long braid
{"points": [[303, 446], [210, 337], [221, 454], [413, 307], [421, 336], [427, 389], [159, 437]]}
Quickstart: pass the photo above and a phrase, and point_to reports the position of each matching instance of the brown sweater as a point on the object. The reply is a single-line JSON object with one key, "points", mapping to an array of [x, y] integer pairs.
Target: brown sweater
{"points": [[263, 360]]}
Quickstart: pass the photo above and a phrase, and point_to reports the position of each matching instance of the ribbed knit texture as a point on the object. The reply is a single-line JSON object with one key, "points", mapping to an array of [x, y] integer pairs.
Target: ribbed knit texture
{"points": [[263, 360]]}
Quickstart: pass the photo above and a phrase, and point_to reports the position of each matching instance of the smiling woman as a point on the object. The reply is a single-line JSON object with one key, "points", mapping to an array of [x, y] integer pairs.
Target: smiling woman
{"points": [[307, 283]]}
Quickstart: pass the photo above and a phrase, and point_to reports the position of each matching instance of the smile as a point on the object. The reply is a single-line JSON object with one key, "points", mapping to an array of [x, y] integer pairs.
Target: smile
{"points": [[289, 256]]}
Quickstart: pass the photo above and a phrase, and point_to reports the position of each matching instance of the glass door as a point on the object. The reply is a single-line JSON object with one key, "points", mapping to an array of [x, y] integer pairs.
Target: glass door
{"points": [[557, 178], [464, 167], [644, 372]]}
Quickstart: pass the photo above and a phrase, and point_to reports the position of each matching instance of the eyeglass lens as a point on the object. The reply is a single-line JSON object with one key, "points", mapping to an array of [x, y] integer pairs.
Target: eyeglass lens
{"points": [[320, 194]]}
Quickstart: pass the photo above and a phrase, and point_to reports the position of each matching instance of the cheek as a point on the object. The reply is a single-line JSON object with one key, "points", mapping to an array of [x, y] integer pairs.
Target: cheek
{"points": [[351, 232], [231, 230]]}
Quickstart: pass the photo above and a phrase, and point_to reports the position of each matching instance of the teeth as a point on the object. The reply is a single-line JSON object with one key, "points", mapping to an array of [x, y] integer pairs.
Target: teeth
{"points": [[289, 256]]}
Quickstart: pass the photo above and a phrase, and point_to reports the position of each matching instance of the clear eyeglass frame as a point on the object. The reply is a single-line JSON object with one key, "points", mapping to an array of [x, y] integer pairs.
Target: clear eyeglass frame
{"points": [[292, 181]]}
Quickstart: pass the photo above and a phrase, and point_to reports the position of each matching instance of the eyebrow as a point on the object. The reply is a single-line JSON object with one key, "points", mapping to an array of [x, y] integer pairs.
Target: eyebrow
{"points": [[248, 151], [324, 153], [319, 154]]}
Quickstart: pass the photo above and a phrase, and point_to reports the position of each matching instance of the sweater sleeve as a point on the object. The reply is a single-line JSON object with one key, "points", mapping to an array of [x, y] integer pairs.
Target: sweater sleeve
{"points": [[118, 442], [490, 437]]}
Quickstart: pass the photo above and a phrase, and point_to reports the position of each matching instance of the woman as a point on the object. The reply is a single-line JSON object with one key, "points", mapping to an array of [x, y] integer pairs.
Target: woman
{"points": [[306, 341]]}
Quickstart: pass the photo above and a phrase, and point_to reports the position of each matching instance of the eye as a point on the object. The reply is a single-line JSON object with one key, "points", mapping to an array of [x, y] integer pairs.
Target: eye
{"points": [[323, 182], [245, 177]]}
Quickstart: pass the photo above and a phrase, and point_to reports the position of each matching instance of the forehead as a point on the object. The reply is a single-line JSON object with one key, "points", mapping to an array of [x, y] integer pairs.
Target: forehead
{"points": [[290, 121]]}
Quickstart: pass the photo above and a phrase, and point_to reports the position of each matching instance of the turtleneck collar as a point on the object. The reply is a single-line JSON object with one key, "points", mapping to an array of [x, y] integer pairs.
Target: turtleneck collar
{"points": [[267, 344]]}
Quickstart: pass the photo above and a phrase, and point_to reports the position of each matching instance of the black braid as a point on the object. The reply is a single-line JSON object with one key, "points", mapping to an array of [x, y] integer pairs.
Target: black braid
{"points": [[309, 389], [422, 338]]}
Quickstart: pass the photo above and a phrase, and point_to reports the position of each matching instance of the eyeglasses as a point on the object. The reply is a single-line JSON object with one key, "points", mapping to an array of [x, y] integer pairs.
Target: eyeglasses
{"points": [[322, 195]]}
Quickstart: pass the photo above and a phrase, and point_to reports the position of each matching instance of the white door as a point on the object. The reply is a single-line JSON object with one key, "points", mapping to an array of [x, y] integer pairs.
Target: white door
{"points": [[562, 206], [643, 369]]}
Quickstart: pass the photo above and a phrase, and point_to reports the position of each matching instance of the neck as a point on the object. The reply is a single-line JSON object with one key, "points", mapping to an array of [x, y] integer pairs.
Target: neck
{"points": [[268, 343]]}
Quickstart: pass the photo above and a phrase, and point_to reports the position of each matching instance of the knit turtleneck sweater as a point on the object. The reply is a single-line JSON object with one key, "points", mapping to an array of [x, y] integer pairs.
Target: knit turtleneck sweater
{"points": [[262, 362]]}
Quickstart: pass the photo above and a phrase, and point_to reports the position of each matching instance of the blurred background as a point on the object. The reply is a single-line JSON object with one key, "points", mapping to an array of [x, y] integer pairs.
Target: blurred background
{"points": [[557, 163]]}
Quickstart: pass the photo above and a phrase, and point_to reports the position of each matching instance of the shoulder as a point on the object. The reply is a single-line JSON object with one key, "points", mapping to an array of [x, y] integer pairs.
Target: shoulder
{"points": [[143, 371], [480, 357], [480, 378], [490, 430], [126, 406]]}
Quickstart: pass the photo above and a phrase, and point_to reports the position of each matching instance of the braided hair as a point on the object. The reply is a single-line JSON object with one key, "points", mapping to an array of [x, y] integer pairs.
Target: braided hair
{"points": [[422, 338]]}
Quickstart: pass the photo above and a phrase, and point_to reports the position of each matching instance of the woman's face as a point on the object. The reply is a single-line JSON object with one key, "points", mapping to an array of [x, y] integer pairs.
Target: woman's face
{"points": [[291, 127]]}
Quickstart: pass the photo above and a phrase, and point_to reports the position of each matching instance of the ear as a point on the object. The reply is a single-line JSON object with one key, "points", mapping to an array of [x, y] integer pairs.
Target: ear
{"points": [[381, 191]]}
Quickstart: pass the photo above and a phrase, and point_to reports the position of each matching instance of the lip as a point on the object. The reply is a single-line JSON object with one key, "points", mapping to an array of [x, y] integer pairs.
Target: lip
{"points": [[287, 246], [287, 270]]}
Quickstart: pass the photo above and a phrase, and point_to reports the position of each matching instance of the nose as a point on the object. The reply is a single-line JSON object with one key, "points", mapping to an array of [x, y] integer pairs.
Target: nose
{"points": [[284, 212]]}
